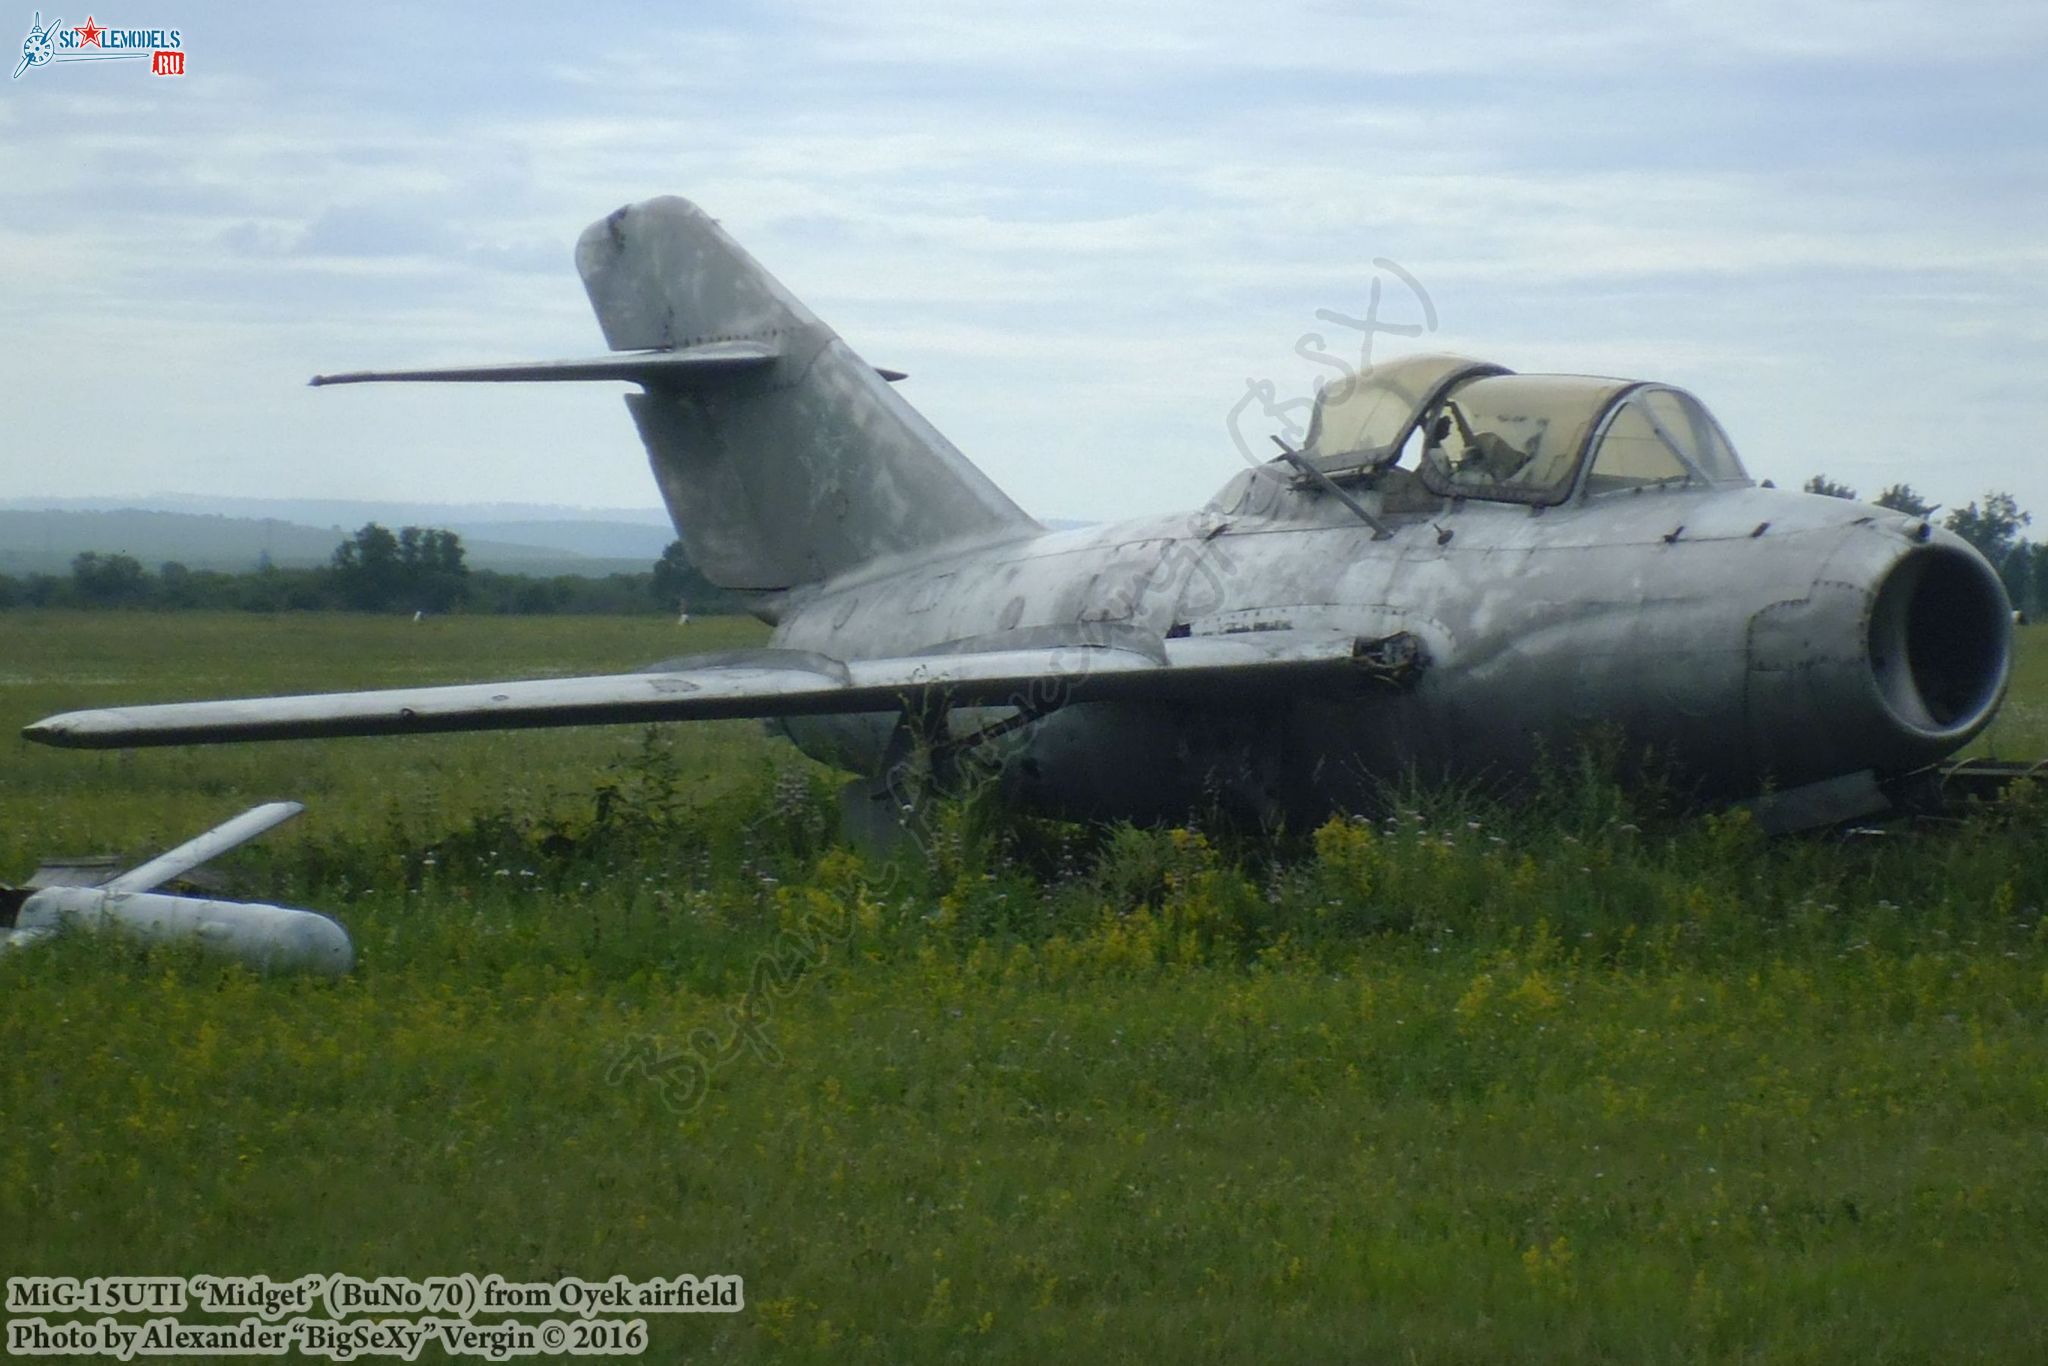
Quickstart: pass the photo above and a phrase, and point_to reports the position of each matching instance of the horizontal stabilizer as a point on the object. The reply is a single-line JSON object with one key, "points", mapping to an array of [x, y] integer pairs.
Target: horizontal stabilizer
{"points": [[679, 368], [795, 476], [760, 683]]}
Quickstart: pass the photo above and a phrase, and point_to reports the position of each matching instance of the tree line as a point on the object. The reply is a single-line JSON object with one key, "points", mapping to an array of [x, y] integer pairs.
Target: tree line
{"points": [[423, 569], [1993, 524], [413, 569]]}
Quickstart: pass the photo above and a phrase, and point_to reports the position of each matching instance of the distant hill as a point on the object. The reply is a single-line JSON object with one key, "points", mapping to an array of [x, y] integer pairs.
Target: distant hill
{"points": [[42, 535], [350, 512], [593, 539], [44, 541]]}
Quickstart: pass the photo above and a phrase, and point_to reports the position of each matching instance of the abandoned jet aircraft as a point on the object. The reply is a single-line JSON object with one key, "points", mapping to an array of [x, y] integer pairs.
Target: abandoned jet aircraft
{"points": [[1461, 566]]}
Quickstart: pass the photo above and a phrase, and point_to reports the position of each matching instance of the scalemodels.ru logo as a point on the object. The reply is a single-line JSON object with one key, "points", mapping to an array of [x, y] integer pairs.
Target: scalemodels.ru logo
{"points": [[163, 48]]}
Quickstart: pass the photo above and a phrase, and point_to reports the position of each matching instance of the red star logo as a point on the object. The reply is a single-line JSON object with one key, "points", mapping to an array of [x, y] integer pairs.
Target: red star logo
{"points": [[89, 36]]}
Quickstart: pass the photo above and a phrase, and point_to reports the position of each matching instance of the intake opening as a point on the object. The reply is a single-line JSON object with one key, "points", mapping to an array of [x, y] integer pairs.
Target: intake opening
{"points": [[1941, 641]]}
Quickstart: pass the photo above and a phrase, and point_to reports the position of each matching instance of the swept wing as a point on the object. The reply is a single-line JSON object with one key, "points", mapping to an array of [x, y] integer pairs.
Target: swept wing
{"points": [[764, 683]]}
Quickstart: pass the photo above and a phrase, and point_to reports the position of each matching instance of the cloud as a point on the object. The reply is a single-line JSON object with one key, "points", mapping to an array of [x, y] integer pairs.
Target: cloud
{"points": [[1081, 226]]}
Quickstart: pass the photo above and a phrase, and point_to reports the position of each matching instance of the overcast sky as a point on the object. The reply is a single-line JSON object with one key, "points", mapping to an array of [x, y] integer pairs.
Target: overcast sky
{"points": [[1080, 226]]}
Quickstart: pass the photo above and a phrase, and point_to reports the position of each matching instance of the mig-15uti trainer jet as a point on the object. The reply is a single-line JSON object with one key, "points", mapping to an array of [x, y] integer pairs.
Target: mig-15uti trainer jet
{"points": [[1461, 567]]}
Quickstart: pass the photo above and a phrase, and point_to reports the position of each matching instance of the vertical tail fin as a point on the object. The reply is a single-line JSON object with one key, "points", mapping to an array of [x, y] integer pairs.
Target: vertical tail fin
{"points": [[781, 473]]}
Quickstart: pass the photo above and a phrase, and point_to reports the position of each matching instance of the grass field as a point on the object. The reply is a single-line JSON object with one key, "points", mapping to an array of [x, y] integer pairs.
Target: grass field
{"points": [[1583, 1080]]}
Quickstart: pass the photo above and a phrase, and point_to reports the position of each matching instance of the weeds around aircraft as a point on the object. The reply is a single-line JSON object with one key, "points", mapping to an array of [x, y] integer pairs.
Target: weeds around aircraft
{"points": [[1461, 567]]}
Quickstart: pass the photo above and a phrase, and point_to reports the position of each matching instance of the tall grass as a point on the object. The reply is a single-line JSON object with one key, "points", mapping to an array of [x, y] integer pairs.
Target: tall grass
{"points": [[1591, 1077]]}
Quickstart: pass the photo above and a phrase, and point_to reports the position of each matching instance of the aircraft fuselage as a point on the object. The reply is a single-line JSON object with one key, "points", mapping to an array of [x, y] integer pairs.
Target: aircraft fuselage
{"points": [[1750, 636]]}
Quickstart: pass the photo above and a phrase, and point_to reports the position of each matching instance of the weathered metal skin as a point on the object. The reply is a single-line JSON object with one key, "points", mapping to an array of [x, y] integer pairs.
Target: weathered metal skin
{"points": [[1742, 656], [267, 938], [859, 471], [1461, 569]]}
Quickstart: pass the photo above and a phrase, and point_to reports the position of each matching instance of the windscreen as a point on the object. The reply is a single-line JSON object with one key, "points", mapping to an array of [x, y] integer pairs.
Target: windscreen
{"points": [[1662, 437]]}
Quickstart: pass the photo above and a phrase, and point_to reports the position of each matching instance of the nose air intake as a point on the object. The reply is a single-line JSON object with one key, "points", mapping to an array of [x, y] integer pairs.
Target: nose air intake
{"points": [[1940, 642], [1895, 657]]}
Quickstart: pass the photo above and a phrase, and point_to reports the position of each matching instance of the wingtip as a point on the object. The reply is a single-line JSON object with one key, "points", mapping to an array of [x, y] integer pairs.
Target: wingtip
{"points": [[43, 733], [72, 730]]}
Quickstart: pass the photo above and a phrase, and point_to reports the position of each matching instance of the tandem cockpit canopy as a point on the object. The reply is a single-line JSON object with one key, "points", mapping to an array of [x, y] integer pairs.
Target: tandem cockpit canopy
{"points": [[1469, 429]]}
